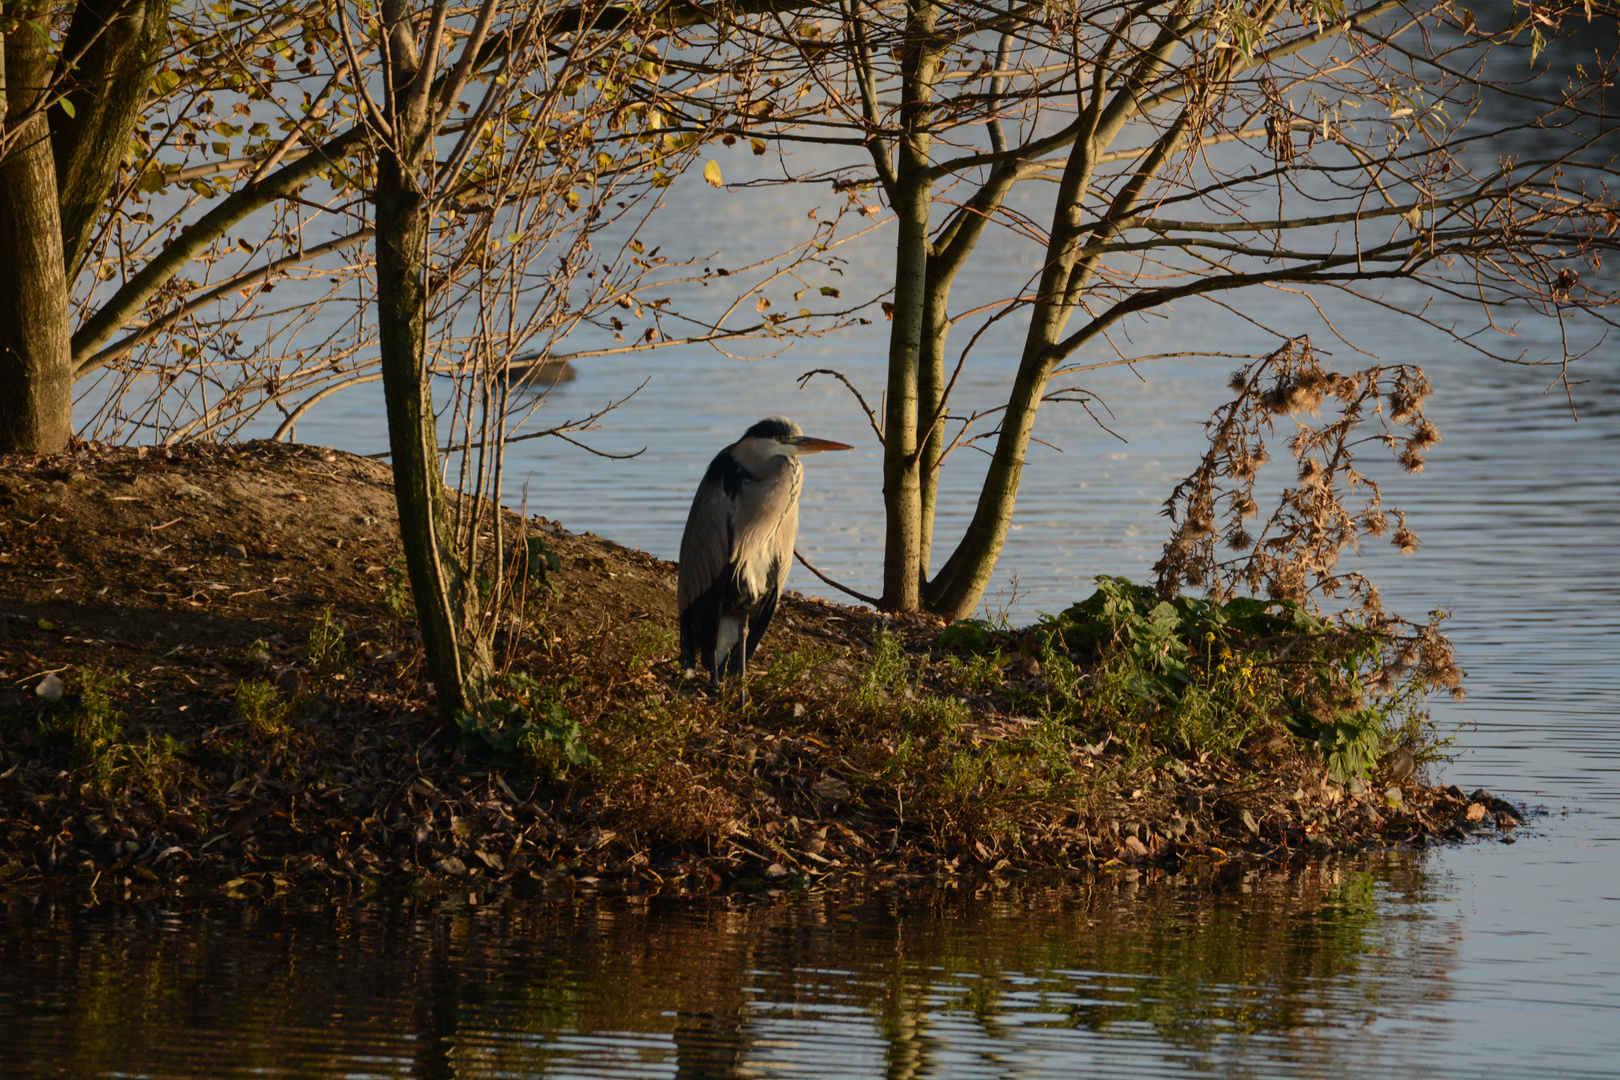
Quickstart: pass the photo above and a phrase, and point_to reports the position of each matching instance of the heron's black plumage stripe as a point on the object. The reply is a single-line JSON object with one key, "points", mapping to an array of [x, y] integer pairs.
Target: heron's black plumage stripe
{"points": [[729, 473], [772, 427]]}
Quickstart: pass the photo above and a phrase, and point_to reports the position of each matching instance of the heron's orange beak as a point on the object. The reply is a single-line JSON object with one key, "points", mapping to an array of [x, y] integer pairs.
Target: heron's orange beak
{"points": [[809, 444]]}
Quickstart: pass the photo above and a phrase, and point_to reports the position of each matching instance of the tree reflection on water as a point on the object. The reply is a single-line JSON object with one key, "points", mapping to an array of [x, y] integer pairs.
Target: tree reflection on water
{"points": [[1218, 968]]}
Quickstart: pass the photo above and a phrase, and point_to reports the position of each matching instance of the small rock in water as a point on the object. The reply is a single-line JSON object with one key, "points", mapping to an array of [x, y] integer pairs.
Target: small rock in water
{"points": [[1135, 847], [50, 687], [451, 865], [776, 870]]}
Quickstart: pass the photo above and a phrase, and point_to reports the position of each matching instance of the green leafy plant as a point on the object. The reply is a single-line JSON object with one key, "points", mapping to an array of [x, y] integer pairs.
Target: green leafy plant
{"points": [[890, 685], [652, 642], [397, 592], [1202, 676], [539, 562], [527, 726], [328, 646], [789, 667], [95, 732], [259, 706]]}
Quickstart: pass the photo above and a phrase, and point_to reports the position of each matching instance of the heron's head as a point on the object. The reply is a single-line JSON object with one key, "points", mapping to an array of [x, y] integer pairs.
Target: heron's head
{"points": [[779, 436]]}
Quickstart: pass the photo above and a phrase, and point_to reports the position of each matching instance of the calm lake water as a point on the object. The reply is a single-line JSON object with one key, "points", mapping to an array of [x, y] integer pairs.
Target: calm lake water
{"points": [[1483, 960]]}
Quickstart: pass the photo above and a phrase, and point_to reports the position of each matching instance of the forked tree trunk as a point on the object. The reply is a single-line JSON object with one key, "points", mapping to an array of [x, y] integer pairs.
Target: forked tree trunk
{"points": [[36, 364], [118, 43], [458, 656], [960, 583]]}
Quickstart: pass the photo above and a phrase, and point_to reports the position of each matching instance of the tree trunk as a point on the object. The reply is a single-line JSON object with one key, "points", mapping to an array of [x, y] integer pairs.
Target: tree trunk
{"points": [[36, 373], [458, 656], [961, 582], [930, 441], [118, 43], [952, 247], [913, 197]]}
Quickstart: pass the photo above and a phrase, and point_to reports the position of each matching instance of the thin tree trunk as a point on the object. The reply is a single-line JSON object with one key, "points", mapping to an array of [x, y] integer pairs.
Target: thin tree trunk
{"points": [[446, 604], [961, 582], [930, 435], [118, 43], [36, 372], [913, 197], [951, 250]]}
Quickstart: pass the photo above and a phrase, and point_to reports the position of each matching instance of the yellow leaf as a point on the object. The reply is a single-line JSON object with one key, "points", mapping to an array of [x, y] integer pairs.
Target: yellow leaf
{"points": [[711, 173]]}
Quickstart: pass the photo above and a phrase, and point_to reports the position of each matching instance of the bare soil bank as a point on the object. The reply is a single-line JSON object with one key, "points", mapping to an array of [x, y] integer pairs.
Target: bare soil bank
{"points": [[154, 583]]}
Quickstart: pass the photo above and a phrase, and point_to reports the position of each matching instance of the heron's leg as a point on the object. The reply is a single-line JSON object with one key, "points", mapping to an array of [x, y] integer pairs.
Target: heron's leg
{"points": [[739, 664]]}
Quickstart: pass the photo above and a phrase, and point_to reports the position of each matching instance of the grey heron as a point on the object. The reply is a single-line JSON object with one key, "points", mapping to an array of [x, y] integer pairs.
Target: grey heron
{"points": [[738, 544]]}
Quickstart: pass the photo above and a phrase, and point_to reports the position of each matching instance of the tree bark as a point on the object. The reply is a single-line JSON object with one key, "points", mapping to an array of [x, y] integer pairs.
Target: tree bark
{"points": [[36, 372], [118, 44], [458, 656], [913, 197]]}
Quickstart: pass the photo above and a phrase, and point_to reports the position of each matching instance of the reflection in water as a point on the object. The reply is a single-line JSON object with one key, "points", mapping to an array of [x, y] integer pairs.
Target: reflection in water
{"points": [[1231, 971]]}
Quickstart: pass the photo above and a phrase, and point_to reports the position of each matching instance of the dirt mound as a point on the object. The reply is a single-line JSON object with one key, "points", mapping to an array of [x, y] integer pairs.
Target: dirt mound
{"points": [[209, 679]]}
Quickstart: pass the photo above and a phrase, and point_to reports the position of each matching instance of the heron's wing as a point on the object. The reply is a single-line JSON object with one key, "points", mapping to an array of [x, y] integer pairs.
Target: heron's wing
{"points": [[706, 544]]}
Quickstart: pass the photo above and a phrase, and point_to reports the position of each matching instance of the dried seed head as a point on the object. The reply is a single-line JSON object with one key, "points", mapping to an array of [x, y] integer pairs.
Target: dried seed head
{"points": [[1239, 381], [1374, 522], [1424, 437], [1405, 539], [1411, 459], [1563, 284]]}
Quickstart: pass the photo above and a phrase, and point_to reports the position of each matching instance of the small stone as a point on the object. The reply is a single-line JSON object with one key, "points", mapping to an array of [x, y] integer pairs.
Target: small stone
{"points": [[1475, 812], [776, 870], [1398, 763], [237, 552], [1392, 796], [1136, 847], [799, 710], [451, 865], [831, 788], [50, 687]]}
